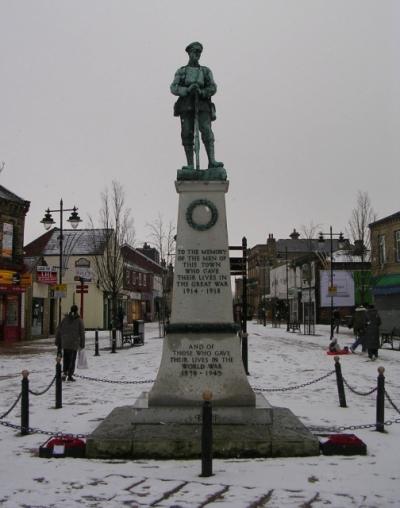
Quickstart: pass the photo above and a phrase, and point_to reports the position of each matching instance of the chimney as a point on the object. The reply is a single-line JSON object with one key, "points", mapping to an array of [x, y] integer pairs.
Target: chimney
{"points": [[294, 235]]}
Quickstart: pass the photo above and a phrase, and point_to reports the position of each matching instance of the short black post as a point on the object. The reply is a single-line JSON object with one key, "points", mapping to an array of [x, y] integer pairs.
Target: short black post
{"points": [[245, 352], [113, 340], [380, 401], [58, 383], [96, 343], [25, 403], [340, 384], [206, 436]]}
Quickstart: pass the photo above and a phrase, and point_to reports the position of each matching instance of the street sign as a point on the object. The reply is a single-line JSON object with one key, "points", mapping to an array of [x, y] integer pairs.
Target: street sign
{"points": [[332, 290], [60, 291], [83, 272], [82, 288]]}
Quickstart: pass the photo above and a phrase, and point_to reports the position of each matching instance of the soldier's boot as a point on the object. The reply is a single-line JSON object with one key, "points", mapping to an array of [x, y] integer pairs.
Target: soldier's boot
{"points": [[212, 163], [189, 157]]}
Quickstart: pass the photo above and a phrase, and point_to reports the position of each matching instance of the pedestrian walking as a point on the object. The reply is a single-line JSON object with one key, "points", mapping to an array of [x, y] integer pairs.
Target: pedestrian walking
{"points": [[336, 320], [70, 336], [359, 327], [372, 339]]}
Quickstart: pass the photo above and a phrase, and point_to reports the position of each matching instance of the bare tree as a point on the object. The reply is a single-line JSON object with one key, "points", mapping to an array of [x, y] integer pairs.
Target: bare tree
{"points": [[2, 166], [310, 230], [116, 229], [162, 237], [361, 216]]}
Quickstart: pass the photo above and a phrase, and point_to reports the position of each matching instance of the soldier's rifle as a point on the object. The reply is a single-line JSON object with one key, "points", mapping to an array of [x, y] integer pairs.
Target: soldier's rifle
{"points": [[196, 129]]}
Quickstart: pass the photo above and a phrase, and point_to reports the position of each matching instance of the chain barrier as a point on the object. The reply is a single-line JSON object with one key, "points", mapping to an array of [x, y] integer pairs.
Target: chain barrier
{"points": [[103, 380], [316, 428], [391, 402], [12, 407], [32, 430], [363, 394], [45, 390], [288, 388]]}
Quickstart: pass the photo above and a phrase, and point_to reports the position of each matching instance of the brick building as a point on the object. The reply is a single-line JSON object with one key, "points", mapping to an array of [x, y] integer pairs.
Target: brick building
{"points": [[13, 276], [385, 265]]}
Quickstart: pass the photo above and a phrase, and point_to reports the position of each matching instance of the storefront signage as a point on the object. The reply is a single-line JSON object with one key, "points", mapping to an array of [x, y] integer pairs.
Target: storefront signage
{"points": [[46, 275], [12, 289], [342, 290]]}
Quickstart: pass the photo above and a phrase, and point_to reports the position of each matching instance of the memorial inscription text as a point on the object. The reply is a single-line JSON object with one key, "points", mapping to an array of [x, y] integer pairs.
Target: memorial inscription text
{"points": [[202, 271]]}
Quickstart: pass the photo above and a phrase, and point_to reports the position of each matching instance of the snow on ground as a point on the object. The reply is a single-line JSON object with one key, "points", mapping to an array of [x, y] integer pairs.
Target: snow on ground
{"points": [[277, 359]]}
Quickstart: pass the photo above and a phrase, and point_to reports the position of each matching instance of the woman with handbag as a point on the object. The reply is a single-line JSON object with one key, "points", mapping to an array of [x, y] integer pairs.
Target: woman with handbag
{"points": [[70, 337]]}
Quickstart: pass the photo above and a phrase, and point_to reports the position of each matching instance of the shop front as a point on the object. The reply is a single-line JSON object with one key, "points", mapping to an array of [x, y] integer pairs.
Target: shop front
{"points": [[11, 313]]}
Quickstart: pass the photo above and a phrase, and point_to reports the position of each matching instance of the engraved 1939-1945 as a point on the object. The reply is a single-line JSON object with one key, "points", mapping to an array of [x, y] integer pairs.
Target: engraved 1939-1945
{"points": [[202, 271], [201, 360]]}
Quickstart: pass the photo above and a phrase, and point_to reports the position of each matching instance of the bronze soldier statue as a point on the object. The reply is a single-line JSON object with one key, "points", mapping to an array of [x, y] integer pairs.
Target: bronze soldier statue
{"points": [[194, 85]]}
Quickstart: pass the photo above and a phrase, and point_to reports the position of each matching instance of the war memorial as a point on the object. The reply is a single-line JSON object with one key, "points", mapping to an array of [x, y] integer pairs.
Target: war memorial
{"points": [[201, 351]]}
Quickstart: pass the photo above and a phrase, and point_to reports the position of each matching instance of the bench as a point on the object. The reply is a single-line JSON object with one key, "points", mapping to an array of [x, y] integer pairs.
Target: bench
{"points": [[387, 337], [128, 337], [294, 326]]}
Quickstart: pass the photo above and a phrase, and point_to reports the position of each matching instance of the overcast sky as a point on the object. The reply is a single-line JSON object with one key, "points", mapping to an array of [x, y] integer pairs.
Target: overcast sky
{"points": [[307, 103]]}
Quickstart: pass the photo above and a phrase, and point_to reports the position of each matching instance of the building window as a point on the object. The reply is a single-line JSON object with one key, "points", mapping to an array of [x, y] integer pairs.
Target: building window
{"points": [[382, 249], [397, 245]]}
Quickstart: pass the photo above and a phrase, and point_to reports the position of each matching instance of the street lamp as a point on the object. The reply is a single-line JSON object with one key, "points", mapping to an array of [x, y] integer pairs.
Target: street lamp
{"points": [[47, 222], [263, 264], [287, 287], [360, 250], [321, 240]]}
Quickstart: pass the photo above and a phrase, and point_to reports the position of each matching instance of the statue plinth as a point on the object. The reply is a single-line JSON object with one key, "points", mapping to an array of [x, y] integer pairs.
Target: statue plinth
{"points": [[201, 354], [201, 174]]}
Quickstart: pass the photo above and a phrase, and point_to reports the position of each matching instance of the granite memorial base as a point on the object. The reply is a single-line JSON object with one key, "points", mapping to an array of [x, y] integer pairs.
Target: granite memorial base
{"points": [[174, 432]]}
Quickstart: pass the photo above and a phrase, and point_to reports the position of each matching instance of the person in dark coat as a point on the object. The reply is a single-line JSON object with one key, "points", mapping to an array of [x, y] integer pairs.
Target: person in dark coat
{"points": [[359, 327], [372, 340], [336, 320], [70, 336]]}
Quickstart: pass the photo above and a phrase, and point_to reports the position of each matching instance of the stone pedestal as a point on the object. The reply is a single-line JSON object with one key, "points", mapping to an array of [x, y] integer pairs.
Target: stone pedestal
{"points": [[202, 349], [201, 352]]}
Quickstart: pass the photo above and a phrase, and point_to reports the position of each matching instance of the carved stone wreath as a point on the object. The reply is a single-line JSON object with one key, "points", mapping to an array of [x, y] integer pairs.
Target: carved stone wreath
{"points": [[189, 214]]}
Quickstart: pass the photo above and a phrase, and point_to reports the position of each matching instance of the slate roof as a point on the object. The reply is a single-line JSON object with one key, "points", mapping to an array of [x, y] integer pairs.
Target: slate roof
{"points": [[10, 196], [394, 216], [76, 242]]}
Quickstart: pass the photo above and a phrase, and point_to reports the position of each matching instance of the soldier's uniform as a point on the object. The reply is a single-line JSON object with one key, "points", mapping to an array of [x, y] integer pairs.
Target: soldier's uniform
{"points": [[185, 107]]}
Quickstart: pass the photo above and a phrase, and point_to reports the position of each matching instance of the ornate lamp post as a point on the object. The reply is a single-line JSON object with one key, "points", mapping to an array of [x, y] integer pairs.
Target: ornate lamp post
{"points": [[321, 240], [47, 222], [263, 264]]}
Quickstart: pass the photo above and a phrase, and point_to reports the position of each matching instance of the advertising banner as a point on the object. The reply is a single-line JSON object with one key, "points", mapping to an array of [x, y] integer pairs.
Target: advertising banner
{"points": [[342, 291], [7, 243], [46, 275]]}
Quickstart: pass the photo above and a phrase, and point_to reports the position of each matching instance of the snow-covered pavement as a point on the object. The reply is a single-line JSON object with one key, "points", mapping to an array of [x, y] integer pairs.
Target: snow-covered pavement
{"points": [[277, 359]]}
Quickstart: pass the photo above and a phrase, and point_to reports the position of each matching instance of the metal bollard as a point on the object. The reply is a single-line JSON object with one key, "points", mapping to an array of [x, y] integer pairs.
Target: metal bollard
{"points": [[96, 343], [25, 403], [245, 352], [58, 383], [340, 384], [380, 401], [206, 436], [114, 341]]}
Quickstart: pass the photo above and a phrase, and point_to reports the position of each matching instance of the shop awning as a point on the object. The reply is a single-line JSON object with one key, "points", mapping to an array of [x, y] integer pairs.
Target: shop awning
{"points": [[386, 284]]}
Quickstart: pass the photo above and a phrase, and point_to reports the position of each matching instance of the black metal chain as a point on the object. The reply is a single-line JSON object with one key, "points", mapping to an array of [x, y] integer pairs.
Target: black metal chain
{"points": [[102, 380], [315, 428], [288, 388], [45, 390], [391, 402], [32, 430], [12, 407], [357, 392]]}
